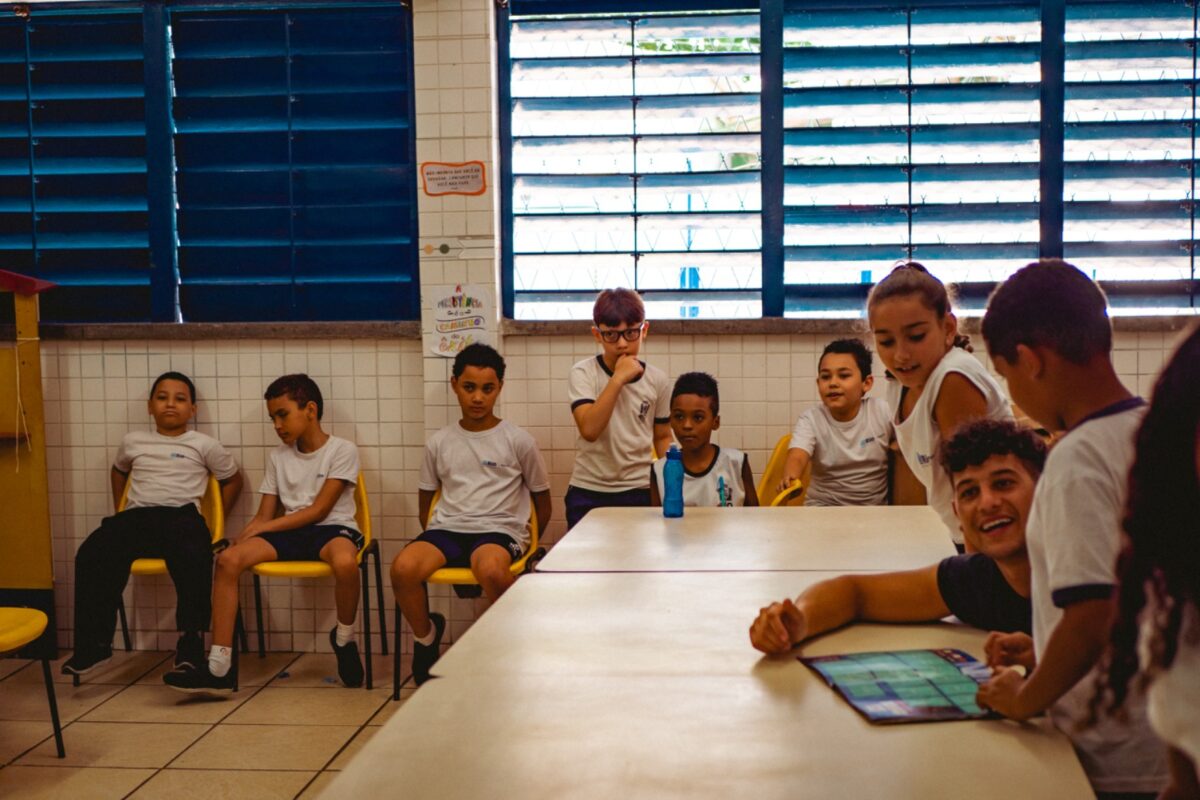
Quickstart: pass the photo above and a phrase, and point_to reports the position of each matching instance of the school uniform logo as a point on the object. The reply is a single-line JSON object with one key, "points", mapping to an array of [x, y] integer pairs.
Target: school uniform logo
{"points": [[924, 460], [866, 441], [643, 410]]}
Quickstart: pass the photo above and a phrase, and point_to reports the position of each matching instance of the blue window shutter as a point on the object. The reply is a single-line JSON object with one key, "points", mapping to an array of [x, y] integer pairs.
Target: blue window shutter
{"points": [[635, 161], [73, 162], [910, 132], [1129, 148], [294, 153]]}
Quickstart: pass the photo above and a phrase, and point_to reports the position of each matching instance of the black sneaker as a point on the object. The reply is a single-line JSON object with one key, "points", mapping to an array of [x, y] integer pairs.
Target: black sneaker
{"points": [[198, 680], [426, 655], [350, 668], [189, 650], [85, 660]]}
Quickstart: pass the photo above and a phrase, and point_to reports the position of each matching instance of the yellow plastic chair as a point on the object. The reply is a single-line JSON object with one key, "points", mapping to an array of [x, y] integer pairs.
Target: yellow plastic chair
{"points": [[213, 511], [19, 627], [463, 577], [319, 569], [773, 474]]}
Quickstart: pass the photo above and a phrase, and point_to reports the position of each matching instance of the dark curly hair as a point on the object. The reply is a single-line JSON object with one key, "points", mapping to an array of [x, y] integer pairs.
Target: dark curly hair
{"points": [[700, 384], [478, 355], [1160, 559], [977, 441], [911, 277], [299, 388]]}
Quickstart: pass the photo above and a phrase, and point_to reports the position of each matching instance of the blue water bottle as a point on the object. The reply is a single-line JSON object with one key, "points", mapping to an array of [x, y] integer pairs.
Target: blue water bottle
{"points": [[673, 483]]}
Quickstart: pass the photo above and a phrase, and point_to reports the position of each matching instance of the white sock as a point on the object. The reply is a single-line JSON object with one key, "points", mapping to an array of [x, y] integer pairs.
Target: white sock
{"points": [[219, 660], [427, 639], [345, 633]]}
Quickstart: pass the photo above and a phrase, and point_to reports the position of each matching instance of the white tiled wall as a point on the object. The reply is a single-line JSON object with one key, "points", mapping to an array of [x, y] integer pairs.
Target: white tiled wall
{"points": [[388, 395], [377, 394]]}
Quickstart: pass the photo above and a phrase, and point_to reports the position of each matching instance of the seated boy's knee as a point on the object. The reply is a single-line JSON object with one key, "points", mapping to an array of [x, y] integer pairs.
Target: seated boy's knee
{"points": [[229, 563], [491, 567], [407, 569]]}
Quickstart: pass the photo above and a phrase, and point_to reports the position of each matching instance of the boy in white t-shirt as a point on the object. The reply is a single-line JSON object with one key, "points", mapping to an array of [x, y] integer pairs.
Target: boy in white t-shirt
{"points": [[306, 514], [712, 475], [167, 471], [621, 407], [1048, 333], [845, 439], [487, 470]]}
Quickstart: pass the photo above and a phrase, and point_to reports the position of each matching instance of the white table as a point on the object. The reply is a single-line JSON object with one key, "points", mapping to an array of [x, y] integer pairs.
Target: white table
{"points": [[662, 624], [774, 735], [724, 539]]}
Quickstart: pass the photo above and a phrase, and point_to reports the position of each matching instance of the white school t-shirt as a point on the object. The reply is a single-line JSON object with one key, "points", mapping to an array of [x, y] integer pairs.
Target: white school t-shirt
{"points": [[849, 459], [1073, 537], [296, 478], [719, 485], [485, 478], [171, 470], [1174, 696], [919, 436], [620, 458]]}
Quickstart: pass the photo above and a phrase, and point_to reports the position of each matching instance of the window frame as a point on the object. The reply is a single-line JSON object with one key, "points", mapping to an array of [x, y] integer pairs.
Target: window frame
{"points": [[1142, 297]]}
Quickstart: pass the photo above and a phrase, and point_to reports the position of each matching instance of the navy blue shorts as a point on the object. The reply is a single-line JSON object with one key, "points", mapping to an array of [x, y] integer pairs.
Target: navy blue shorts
{"points": [[304, 544], [580, 501], [458, 547]]}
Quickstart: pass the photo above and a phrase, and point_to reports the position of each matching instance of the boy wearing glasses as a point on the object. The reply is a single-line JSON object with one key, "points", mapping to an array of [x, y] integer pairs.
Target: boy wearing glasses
{"points": [[622, 407]]}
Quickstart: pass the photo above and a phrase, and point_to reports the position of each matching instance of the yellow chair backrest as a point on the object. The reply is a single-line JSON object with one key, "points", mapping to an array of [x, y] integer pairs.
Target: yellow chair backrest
{"points": [[773, 474], [211, 508], [362, 512]]}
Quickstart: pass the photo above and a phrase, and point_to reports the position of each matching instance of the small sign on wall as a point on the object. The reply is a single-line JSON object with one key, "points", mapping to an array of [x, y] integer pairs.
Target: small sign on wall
{"points": [[460, 318], [439, 178]]}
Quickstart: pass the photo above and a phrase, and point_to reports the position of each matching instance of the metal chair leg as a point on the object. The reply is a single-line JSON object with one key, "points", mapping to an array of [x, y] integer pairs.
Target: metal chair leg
{"points": [[383, 640], [239, 628], [124, 624], [58, 738], [258, 617], [366, 615]]}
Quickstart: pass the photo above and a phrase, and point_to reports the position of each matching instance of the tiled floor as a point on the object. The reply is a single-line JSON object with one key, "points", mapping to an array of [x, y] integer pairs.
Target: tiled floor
{"points": [[283, 735]]}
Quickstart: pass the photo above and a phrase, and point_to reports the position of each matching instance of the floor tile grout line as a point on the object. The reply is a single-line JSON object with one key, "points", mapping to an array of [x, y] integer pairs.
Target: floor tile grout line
{"points": [[69, 723], [257, 690], [341, 749], [214, 725]]}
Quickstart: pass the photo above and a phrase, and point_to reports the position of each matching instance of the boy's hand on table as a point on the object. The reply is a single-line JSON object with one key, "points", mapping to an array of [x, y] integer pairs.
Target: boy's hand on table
{"points": [[1009, 650], [628, 369], [777, 628], [1002, 693]]}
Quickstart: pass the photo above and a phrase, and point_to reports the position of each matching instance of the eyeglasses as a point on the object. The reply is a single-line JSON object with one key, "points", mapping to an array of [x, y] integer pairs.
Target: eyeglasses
{"points": [[630, 334]]}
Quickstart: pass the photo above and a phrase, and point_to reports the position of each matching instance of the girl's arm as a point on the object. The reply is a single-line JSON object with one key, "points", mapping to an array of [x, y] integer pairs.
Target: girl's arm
{"points": [[748, 483], [958, 401]]}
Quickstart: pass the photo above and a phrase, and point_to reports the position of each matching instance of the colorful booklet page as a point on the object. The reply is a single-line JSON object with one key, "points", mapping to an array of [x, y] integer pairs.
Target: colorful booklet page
{"points": [[906, 685]]}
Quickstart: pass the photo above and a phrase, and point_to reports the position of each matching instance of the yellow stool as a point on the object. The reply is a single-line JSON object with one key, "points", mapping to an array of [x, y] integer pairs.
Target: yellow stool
{"points": [[462, 576], [319, 569], [19, 627]]}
